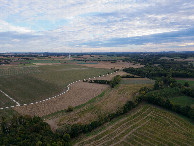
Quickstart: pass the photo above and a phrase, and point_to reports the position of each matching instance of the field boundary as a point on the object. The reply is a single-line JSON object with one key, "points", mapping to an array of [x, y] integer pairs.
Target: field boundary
{"points": [[17, 103], [68, 88]]}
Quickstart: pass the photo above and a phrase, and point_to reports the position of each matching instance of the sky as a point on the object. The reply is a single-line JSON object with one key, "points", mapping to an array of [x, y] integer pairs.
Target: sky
{"points": [[96, 25]]}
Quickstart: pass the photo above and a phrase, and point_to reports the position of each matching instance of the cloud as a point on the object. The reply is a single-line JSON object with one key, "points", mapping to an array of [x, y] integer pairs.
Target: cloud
{"points": [[4, 27], [37, 25]]}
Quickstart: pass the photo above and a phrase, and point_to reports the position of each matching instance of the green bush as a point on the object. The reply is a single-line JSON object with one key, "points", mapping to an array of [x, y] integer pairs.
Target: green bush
{"points": [[69, 109]]}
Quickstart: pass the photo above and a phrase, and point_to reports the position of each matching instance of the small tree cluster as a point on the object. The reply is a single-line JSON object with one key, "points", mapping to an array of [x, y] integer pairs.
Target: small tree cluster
{"points": [[115, 81], [25, 130]]}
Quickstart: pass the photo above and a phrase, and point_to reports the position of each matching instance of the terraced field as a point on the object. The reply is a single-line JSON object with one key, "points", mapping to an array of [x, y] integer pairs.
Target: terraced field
{"points": [[145, 125]]}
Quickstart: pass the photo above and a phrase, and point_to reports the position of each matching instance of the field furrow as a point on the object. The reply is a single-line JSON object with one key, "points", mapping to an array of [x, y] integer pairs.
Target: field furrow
{"points": [[147, 127], [135, 140], [118, 126]]}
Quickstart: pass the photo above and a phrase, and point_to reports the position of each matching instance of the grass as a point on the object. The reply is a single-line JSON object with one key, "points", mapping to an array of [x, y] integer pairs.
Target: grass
{"points": [[145, 125], [183, 100], [191, 83], [137, 81], [49, 81]]}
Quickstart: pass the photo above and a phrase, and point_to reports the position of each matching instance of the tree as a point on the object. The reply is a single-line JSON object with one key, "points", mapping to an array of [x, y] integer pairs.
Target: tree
{"points": [[115, 81], [186, 84]]}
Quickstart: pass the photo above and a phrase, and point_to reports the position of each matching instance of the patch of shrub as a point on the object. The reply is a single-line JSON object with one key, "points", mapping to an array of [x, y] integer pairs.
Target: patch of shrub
{"points": [[69, 109], [115, 81]]}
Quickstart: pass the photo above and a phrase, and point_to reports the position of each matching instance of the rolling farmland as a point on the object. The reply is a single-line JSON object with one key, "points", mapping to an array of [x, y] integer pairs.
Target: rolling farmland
{"points": [[5, 101], [11, 71], [145, 125], [79, 93], [110, 101], [31, 84]]}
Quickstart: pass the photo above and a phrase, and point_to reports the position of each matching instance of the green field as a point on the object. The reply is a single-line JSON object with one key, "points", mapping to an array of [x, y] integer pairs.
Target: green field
{"points": [[145, 125], [137, 81], [4, 102], [51, 80], [191, 83], [9, 71], [183, 100]]}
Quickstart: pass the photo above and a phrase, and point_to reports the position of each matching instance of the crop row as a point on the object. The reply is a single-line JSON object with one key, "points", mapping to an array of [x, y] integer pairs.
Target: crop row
{"points": [[149, 126]]}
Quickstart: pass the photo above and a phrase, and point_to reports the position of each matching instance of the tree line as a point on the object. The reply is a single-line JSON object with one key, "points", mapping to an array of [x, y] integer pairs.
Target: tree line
{"points": [[164, 89], [115, 81]]}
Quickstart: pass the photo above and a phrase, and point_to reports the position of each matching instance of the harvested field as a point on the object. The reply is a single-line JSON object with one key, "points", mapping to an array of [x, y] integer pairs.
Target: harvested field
{"points": [[109, 65], [79, 93], [145, 125], [110, 101]]}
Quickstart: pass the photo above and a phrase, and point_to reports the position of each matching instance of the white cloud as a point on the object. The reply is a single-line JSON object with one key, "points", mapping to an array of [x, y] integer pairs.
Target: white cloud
{"points": [[96, 20], [4, 27]]}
